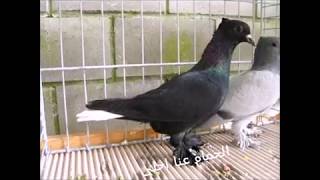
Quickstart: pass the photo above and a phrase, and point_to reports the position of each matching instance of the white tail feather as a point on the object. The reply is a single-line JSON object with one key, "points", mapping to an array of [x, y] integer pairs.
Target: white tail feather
{"points": [[96, 115]]}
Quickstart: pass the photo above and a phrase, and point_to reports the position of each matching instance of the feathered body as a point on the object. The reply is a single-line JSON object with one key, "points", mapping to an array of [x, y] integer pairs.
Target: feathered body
{"points": [[253, 91], [183, 102], [188, 100]]}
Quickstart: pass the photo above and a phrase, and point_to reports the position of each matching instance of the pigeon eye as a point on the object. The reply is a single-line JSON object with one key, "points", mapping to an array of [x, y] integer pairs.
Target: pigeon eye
{"points": [[239, 29], [274, 44]]}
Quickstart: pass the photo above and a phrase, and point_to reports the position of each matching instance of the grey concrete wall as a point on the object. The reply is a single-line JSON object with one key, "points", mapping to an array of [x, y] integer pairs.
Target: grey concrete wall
{"points": [[215, 7], [93, 54]]}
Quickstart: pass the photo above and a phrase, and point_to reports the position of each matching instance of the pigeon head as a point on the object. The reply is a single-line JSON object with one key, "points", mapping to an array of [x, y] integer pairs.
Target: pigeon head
{"points": [[236, 31], [267, 54]]}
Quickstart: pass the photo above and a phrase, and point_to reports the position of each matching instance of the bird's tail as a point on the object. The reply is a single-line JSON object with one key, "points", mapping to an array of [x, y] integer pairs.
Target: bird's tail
{"points": [[107, 109], [96, 115]]}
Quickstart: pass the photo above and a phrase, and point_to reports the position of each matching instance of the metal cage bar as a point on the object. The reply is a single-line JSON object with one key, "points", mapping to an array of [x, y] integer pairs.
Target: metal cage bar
{"points": [[178, 34], [124, 60], [264, 29], [84, 71], [104, 63], [210, 17], [142, 38], [194, 31], [160, 41], [142, 56], [75, 68], [253, 25], [43, 133], [63, 78], [239, 50]]}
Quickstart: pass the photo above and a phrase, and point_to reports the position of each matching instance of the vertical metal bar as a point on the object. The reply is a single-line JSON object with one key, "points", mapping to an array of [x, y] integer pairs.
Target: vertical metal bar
{"points": [[209, 8], [72, 166], [239, 46], [43, 120], [194, 33], [145, 131], [161, 48], [60, 166], [178, 35], [63, 80], [277, 16], [85, 163], [50, 8], [253, 26], [92, 174], [261, 18], [142, 56], [160, 40], [123, 50], [104, 70], [224, 7], [53, 166], [41, 128], [66, 166], [78, 164], [160, 27], [46, 168], [264, 15], [142, 38], [103, 49], [106, 127], [210, 17], [84, 72], [124, 62], [47, 6], [224, 14]]}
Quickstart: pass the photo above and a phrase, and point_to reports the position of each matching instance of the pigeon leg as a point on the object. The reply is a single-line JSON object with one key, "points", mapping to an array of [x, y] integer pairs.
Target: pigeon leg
{"points": [[194, 141], [186, 147], [253, 131], [241, 132], [180, 152]]}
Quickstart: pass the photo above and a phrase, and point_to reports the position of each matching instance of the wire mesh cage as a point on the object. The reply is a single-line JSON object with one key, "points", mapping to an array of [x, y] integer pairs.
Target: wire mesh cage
{"points": [[93, 49]]}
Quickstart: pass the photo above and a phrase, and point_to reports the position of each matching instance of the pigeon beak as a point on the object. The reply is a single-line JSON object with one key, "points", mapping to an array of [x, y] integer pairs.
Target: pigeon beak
{"points": [[250, 40]]}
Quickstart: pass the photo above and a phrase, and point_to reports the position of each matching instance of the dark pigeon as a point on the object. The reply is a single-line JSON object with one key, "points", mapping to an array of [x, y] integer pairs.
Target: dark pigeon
{"points": [[188, 100]]}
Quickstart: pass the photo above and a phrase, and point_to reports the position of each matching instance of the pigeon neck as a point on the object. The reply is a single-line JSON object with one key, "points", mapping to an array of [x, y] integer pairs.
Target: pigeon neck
{"points": [[269, 67], [218, 53], [269, 64], [222, 68]]}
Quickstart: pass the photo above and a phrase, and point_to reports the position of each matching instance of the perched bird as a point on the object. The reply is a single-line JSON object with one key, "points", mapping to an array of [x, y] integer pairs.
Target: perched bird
{"points": [[184, 102], [252, 92]]}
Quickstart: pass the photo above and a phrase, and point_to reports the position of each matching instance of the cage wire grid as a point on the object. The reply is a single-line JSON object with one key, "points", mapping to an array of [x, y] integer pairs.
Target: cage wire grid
{"points": [[263, 4]]}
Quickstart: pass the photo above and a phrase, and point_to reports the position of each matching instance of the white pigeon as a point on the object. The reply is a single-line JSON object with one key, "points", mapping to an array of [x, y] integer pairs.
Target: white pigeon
{"points": [[252, 92]]}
